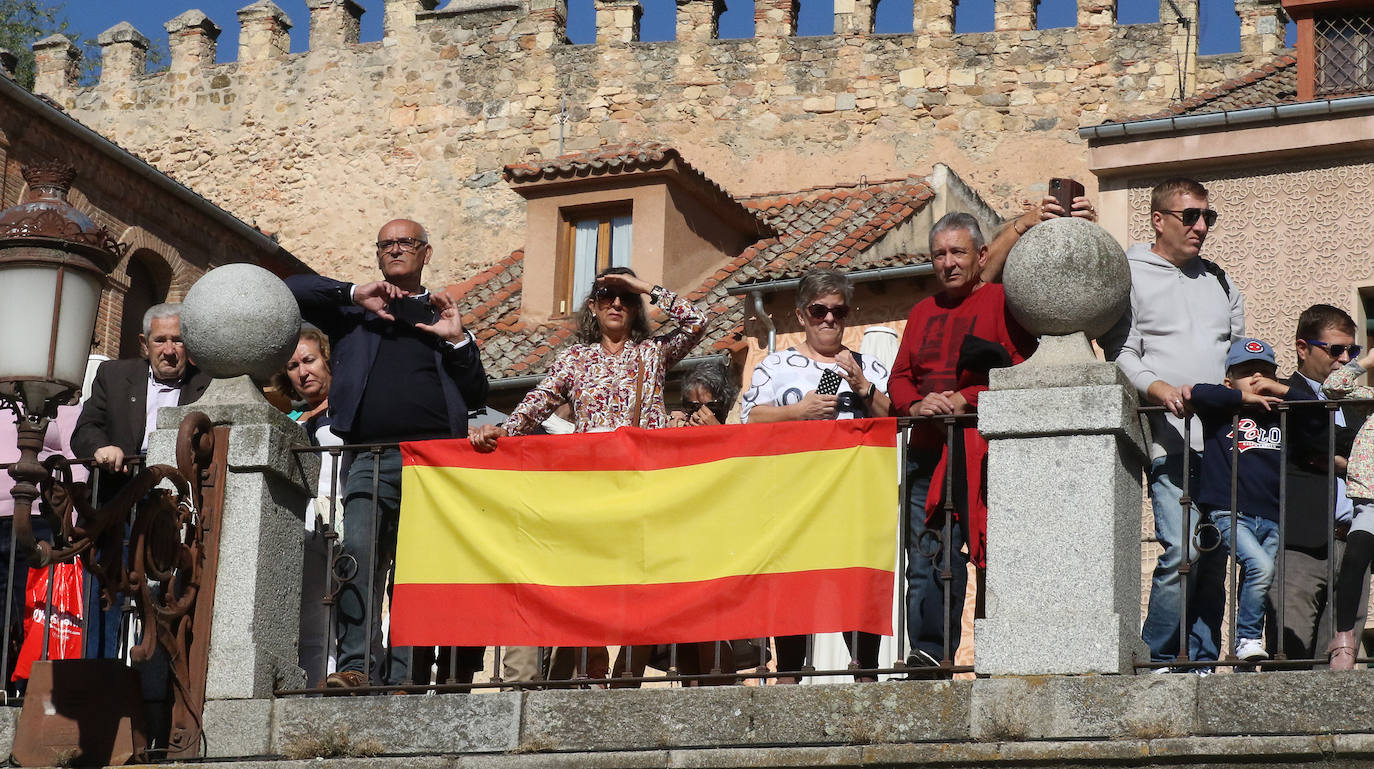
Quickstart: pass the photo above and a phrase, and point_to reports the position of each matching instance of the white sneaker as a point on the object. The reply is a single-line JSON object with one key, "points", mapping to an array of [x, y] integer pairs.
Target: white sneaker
{"points": [[1251, 650]]}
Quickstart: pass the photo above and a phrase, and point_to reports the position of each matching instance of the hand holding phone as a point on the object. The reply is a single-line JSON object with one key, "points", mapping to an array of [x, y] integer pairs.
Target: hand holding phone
{"points": [[1064, 191], [830, 383], [411, 311]]}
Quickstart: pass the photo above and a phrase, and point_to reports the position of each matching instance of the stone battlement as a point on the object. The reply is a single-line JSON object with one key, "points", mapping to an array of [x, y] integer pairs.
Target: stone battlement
{"points": [[423, 120], [542, 25]]}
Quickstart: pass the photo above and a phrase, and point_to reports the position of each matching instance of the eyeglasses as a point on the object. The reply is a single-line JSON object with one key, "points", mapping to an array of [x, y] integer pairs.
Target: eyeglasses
{"points": [[818, 311], [1336, 350], [406, 244], [607, 294], [1189, 216]]}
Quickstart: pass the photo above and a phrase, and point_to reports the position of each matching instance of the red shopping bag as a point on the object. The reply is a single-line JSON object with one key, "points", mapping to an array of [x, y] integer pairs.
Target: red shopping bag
{"points": [[64, 629]]}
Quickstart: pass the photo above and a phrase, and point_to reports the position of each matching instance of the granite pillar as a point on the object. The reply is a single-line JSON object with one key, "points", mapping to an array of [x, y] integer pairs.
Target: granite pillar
{"points": [[254, 630], [240, 320], [1064, 471], [1064, 483]]}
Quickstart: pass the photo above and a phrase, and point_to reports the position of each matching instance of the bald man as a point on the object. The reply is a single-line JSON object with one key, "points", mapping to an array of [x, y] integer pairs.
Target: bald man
{"points": [[404, 369]]}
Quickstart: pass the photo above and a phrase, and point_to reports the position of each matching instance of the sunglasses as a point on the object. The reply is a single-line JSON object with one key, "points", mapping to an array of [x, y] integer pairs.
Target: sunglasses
{"points": [[692, 407], [1189, 216], [607, 294], [818, 311], [1336, 350]]}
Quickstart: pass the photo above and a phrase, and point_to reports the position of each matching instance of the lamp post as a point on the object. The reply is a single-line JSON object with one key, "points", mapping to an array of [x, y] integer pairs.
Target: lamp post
{"points": [[53, 263]]}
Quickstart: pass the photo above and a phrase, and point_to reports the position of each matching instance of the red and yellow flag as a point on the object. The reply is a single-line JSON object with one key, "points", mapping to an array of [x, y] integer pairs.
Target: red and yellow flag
{"points": [[648, 536]]}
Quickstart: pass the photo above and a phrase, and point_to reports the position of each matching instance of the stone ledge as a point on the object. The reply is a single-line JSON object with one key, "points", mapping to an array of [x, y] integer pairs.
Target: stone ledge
{"points": [[1262, 719], [1350, 750]]}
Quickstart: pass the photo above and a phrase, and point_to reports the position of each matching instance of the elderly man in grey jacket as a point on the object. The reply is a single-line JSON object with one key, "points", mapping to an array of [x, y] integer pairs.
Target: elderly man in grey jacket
{"points": [[1184, 314]]}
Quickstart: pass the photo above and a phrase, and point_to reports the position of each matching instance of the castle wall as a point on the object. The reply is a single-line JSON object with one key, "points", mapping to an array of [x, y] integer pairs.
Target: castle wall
{"points": [[322, 147]]}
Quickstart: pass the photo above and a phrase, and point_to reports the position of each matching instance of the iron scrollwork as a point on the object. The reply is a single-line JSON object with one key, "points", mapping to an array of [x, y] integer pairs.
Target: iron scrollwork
{"points": [[169, 567]]}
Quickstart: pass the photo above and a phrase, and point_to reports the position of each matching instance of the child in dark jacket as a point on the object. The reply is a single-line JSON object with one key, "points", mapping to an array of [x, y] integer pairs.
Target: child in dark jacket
{"points": [[1239, 425]]}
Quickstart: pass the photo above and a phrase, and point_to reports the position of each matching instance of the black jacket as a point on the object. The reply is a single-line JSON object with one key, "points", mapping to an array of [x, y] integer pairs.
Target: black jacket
{"points": [[115, 414], [354, 335], [1310, 508]]}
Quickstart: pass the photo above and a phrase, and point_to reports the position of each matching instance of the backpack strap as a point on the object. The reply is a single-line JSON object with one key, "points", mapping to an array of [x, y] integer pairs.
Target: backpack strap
{"points": [[1220, 274]]}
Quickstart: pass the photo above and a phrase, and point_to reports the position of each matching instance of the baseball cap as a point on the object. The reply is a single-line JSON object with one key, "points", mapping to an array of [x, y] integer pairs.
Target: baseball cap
{"points": [[1248, 349]]}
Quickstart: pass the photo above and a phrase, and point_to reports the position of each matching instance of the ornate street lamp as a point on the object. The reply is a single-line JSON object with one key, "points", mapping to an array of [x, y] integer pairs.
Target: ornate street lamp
{"points": [[53, 263]]}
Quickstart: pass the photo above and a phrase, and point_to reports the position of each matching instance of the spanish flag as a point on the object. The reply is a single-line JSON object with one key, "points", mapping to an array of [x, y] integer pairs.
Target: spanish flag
{"points": [[648, 536]]}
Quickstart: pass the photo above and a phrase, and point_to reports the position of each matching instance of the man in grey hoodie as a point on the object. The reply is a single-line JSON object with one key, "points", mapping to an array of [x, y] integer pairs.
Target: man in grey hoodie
{"points": [[1184, 314]]}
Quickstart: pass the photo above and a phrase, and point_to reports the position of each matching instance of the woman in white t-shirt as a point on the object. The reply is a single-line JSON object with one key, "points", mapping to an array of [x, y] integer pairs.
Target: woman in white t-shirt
{"points": [[784, 387]]}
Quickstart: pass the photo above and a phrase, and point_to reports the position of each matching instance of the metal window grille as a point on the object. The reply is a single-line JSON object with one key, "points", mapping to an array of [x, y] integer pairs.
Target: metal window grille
{"points": [[1345, 53]]}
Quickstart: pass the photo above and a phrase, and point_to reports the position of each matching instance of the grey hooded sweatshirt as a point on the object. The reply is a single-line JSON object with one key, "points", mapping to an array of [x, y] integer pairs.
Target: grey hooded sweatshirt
{"points": [[1178, 329]]}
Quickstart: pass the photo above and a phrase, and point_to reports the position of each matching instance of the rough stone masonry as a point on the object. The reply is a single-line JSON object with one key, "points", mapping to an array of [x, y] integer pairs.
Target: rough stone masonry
{"points": [[321, 147]]}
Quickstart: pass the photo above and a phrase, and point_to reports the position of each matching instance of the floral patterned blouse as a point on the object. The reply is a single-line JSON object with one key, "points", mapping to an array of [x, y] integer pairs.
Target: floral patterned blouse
{"points": [[1359, 473], [600, 384]]}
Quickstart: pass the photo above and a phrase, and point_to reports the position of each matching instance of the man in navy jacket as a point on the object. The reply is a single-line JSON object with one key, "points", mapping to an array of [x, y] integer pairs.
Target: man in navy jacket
{"points": [[404, 369]]}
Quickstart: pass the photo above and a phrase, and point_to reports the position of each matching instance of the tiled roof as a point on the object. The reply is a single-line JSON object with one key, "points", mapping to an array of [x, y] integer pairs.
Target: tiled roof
{"points": [[615, 159], [824, 227], [833, 227], [1274, 83]]}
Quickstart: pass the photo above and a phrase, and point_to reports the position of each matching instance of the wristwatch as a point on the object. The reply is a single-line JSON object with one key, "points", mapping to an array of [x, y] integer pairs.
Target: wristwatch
{"points": [[655, 294]]}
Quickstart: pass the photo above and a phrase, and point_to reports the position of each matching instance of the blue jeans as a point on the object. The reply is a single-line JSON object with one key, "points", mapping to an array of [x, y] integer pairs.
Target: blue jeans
{"points": [[925, 592], [1257, 543], [370, 539], [1206, 586]]}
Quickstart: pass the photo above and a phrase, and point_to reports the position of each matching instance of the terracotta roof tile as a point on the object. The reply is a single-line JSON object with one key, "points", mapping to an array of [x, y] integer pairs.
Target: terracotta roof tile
{"points": [[624, 158], [820, 227]]}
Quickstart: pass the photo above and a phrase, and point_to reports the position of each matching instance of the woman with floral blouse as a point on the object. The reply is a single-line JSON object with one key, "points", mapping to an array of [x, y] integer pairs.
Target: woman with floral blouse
{"points": [[613, 377]]}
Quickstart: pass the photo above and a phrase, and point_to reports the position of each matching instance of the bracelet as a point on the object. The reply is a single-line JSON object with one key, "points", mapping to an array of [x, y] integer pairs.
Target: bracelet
{"points": [[872, 390]]}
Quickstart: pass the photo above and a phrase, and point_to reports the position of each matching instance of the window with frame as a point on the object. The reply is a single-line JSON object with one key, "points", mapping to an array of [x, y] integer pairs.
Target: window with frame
{"points": [[591, 240], [1344, 53]]}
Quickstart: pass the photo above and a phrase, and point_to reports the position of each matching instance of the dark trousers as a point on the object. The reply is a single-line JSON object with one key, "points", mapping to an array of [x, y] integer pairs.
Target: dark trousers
{"points": [[369, 540], [1307, 606], [927, 615]]}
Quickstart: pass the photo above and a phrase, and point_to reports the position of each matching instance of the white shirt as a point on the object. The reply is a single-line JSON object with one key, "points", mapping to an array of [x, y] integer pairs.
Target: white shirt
{"points": [[786, 376], [159, 395]]}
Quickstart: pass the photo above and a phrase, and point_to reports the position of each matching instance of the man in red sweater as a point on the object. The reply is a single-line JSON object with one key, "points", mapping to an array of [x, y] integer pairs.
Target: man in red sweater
{"points": [[931, 378]]}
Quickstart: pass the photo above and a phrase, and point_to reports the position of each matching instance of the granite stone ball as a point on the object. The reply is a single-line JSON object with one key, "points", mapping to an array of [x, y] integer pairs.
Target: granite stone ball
{"points": [[240, 319], [1066, 275]]}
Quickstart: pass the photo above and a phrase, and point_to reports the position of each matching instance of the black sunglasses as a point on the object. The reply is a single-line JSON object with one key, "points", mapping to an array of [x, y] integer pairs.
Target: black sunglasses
{"points": [[691, 407], [608, 294], [1336, 350], [1189, 216], [819, 311]]}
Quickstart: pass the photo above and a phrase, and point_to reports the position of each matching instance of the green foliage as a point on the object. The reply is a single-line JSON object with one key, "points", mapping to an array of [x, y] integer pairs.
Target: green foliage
{"points": [[24, 22]]}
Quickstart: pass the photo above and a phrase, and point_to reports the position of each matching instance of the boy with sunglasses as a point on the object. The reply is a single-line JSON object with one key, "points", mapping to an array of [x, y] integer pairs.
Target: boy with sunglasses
{"points": [[1184, 315]]}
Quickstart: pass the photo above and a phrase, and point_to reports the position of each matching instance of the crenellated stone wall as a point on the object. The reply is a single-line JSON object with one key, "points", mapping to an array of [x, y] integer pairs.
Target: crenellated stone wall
{"points": [[322, 147]]}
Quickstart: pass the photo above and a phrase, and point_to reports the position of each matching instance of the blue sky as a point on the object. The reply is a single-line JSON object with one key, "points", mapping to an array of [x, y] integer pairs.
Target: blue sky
{"points": [[1220, 28]]}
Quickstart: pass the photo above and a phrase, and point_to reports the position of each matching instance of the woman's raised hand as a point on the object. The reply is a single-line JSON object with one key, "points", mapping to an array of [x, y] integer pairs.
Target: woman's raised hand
{"points": [[617, 280]]}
